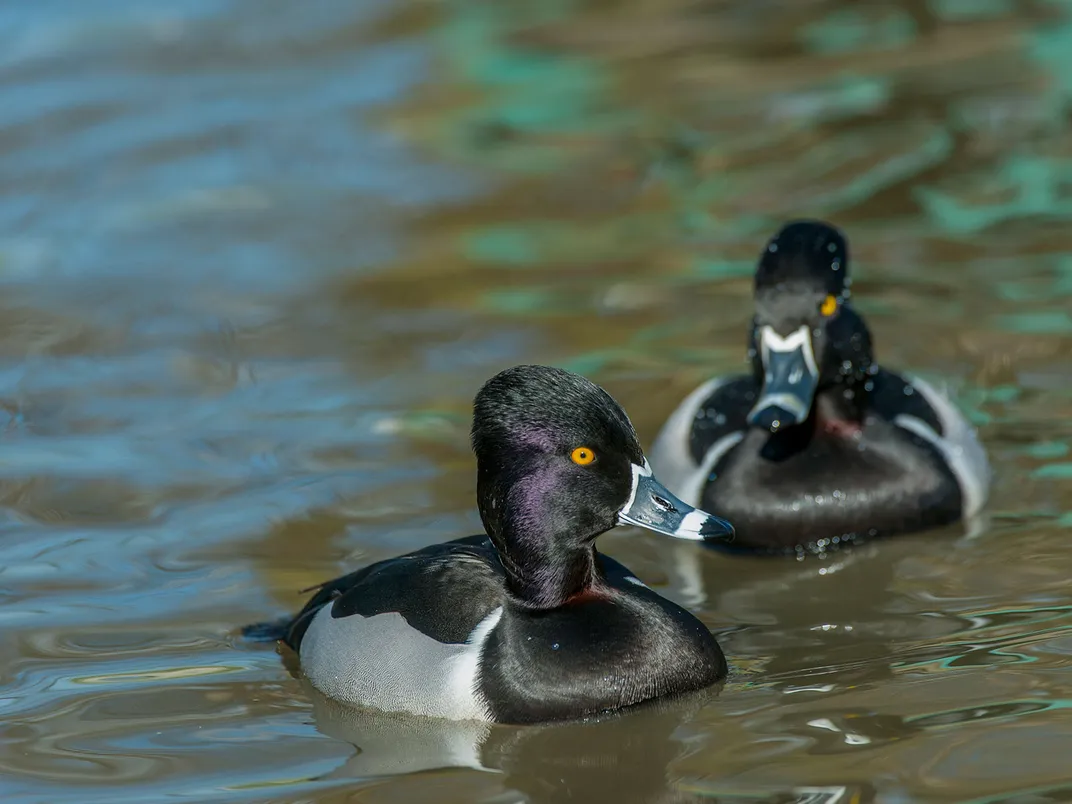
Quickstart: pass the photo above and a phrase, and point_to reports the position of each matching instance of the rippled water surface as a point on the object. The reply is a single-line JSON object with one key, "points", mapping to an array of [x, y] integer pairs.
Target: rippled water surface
{"points": [[258, 255]]}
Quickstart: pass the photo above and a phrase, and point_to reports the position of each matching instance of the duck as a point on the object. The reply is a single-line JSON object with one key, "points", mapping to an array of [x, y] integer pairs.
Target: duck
{"points": [[526, 622], [818, 446]]}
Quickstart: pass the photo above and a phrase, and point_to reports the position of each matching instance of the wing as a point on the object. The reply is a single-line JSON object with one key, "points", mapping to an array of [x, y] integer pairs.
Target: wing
{"points": [[895, 396], [917, 407], [705, 426], [443, 591]]}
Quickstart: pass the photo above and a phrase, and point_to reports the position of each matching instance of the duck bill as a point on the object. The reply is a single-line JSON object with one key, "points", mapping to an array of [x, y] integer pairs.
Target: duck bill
{"points": [[653, 507], [790, 377]]}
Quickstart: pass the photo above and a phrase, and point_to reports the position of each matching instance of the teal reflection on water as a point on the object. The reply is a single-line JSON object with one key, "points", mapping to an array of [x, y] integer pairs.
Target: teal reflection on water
{"points": [[964, 10], [1034, 185], [852, 30]]}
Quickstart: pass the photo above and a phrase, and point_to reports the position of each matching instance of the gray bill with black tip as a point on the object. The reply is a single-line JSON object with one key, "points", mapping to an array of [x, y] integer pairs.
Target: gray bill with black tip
{"points": [[653, 507]]}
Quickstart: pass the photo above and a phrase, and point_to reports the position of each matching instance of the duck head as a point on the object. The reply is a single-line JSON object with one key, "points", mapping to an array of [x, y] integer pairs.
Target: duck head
{"points": [[558, 464], [806, 339]]}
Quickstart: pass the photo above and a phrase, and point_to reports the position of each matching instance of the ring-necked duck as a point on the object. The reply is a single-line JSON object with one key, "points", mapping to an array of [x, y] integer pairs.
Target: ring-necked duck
{"points": [[528, 622], [818, 446]]}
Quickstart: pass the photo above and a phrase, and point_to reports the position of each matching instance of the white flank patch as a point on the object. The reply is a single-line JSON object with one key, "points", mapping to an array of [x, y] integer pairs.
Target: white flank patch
{"points": [[383, 663], [670, 452], [692, 489], [463, 676], [959, 446]]}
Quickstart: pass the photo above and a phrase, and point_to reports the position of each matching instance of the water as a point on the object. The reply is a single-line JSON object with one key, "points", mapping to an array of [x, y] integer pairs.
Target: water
{"points": [[257, 256]]}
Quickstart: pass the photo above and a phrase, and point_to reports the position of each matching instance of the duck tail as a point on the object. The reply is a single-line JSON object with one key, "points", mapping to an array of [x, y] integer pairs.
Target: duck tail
{"points": [[270, 631]]}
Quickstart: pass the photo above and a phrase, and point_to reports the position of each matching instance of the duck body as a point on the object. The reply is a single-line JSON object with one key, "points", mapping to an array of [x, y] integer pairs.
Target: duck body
{"points": [[527, 622], [912, 463], [436, 633], [819, 446]]}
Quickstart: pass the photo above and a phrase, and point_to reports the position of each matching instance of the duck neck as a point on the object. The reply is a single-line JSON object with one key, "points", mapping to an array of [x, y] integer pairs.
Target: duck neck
{"points": [[542, 578], [847, 397], [548, 558], [845, 401]]}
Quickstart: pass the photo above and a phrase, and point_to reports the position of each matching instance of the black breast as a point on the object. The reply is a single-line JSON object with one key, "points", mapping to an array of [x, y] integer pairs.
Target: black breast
{"points": [[609, 649], [832, 487]]}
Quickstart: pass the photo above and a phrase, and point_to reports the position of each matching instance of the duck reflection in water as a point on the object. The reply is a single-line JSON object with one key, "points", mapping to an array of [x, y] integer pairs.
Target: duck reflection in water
{"points": [[619, 756]]}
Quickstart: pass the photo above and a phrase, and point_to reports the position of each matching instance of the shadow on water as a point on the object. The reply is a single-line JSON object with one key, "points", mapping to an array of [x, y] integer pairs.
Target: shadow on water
{"points": [[257, 257]]}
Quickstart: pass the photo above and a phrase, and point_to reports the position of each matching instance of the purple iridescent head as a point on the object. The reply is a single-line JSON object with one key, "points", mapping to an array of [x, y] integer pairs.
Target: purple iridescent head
{"points": [[559, 461]]}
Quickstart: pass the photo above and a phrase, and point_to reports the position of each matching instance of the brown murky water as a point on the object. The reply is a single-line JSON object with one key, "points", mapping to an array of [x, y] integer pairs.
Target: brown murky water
{"points": [[257, 256]]}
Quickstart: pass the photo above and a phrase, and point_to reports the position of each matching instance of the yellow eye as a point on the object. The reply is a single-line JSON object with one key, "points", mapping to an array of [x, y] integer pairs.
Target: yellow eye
{"points": [[829, 306], [582, 456]]}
